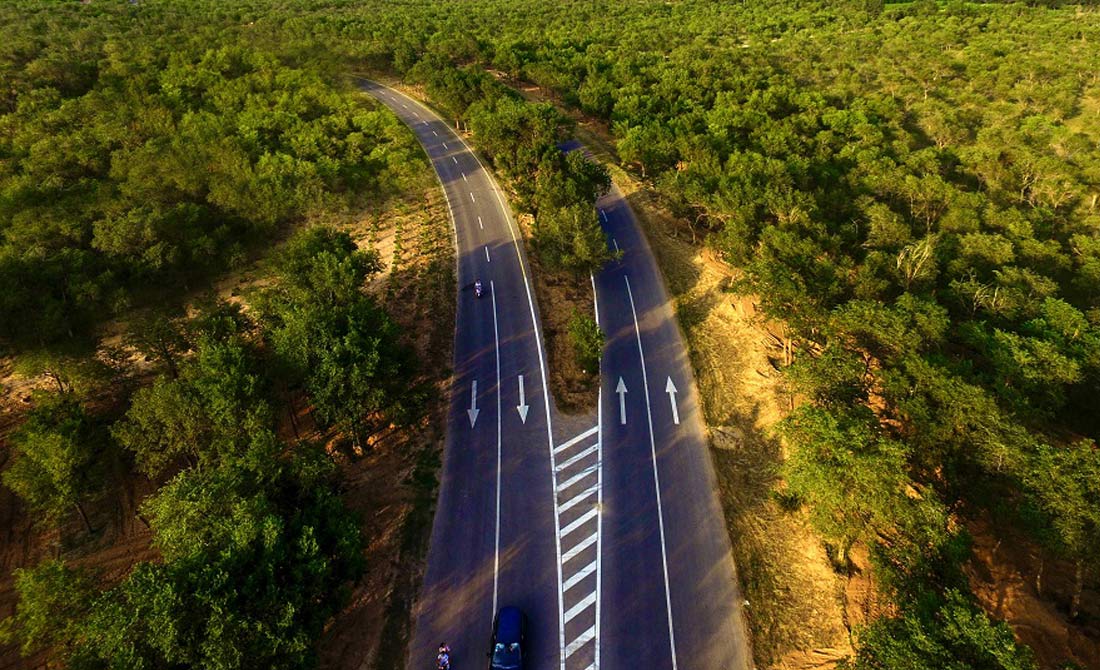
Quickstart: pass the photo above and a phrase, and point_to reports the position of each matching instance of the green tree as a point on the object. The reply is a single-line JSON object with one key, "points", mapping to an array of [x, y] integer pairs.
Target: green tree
{"points": [[56, 467], [53, 601], [588, 341]]}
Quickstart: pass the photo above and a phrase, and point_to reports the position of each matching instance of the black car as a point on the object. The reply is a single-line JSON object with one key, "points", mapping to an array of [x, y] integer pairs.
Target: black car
{"points": [[509, 638]]}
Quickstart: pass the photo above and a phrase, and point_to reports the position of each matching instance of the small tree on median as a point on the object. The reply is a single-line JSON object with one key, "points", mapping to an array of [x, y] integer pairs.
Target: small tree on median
{"points": [[587, 341]]}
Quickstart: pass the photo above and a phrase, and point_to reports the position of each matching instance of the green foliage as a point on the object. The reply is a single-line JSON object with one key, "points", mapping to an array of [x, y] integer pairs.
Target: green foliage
{"points": [[53, 599], [951, 633], [149, 147], [330, 335], [587, 341], [855, 482], [217, 410], [56, 468], [254, 563]]}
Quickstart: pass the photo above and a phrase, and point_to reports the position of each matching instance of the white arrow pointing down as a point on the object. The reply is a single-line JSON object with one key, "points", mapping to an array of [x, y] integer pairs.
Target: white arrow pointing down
{"points": [[522, 407], [473, 411]]}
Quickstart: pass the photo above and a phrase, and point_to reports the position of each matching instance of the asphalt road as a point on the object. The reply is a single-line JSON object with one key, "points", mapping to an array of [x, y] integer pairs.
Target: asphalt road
{"points": [[666, 554], [605, 529]]}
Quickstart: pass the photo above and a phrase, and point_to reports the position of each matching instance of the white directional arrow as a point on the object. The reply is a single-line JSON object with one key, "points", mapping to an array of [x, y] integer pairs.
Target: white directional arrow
{"points": [[473, 411], [670, 389], [621, 390], [522, 407]]}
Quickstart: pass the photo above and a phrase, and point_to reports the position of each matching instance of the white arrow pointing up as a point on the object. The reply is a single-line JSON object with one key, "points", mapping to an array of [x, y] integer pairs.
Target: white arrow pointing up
{"points": [[621, 390], [670, 389], [473, 411], [522, 407]]}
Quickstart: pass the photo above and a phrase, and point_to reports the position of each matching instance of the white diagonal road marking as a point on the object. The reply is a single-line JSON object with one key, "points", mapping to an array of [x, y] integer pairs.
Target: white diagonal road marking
{"points": [[577, 498], [575, 579], [566, 445], [587, 452], [582, 639], [584, 544], [580, 521], [591, 470], [582, 605]]}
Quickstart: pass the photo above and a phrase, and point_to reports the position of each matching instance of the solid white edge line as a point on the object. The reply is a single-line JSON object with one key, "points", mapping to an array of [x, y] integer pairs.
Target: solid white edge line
{"points": [[496, 546], [545, 383], [656, 479], [599, 488]]}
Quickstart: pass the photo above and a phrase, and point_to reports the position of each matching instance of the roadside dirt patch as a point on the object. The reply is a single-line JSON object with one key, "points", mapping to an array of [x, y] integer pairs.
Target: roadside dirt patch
{"points": [[1006, 573]]}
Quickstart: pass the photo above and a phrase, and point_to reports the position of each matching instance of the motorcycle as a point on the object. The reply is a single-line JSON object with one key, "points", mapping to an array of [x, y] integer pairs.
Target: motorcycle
{"points": [[477, 288]]}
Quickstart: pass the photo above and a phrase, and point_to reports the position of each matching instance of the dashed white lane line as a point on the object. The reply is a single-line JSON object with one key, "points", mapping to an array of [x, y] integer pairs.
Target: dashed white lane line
{"points": [[472, 199], [464, 178], [576, 579], [562, 447], [454, 159], [403, 105], [582, 605], [444, 145], [604, 215], [616, 243], [487, 255], [480, 224], [435, 133], [656, 479]]}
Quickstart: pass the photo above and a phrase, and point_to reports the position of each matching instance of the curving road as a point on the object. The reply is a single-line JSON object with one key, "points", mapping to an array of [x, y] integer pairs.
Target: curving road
{"points": [[605, 529]]}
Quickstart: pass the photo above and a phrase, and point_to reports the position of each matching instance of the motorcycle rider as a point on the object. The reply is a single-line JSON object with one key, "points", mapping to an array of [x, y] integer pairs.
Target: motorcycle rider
{"points": [[477, 288]]}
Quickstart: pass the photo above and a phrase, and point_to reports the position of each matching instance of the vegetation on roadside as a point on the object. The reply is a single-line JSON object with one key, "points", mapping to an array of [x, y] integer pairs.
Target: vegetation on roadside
{"points": [[911, 187], [914, 193], [587, 340]]}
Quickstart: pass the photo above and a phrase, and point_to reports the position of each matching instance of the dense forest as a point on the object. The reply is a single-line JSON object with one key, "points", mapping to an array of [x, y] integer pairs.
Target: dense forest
{"points": [[911, 187], [145, 153]]}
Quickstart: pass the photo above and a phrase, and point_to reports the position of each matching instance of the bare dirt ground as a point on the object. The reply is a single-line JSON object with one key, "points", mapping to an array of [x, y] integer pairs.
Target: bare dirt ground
{"points": [[392, 486], [1013, 582]]}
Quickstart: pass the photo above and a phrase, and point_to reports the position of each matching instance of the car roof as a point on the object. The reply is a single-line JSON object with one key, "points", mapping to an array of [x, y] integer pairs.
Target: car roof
{"points": [[508, 624]]}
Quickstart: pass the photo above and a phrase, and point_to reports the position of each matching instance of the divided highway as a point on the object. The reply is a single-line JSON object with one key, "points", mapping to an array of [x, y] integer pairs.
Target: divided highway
{"points": [[605, 529]]}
